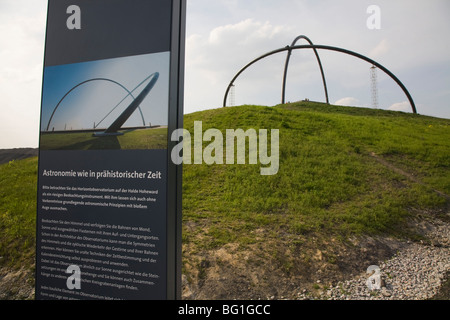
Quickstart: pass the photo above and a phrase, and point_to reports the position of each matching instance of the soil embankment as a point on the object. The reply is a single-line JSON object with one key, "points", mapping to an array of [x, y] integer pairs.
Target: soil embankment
{"points": [[7, 155]]}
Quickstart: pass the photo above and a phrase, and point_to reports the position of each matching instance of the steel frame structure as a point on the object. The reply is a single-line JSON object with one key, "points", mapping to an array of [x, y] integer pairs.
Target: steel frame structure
{"points": [[323, 47]]}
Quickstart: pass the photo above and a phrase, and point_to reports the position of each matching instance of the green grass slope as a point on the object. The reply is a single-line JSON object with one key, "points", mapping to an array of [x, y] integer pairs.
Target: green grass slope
{"points": [[331, 179], [18, 187], [344, 172]]}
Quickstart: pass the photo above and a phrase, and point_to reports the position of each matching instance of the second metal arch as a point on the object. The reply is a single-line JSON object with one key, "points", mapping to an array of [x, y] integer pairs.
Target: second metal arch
{"points": [[286, 66]]}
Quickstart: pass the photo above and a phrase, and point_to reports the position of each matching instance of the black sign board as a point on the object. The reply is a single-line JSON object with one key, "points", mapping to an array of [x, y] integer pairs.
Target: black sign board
{"points": [[109, 196]]}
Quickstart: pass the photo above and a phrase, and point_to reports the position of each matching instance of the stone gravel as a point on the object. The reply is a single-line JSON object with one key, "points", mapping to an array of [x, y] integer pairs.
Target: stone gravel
{"points": [[415, 273]]}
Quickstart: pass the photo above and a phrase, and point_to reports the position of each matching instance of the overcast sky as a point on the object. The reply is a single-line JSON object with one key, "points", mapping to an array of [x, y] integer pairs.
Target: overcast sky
{"points": [[224, 35]]}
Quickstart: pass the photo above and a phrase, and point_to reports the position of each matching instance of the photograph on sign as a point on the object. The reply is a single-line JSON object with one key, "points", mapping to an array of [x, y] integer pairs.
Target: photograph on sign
{"points": [[118, 103]]}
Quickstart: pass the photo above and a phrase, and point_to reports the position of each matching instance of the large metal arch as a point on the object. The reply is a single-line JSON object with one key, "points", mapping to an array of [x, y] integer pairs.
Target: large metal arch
{"points": [[286, 66], [323, 47], [90, 80], [117, 124]]}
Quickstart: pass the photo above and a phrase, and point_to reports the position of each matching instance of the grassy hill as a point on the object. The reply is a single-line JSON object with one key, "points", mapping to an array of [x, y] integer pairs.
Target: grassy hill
{"points": [[349, 184], [330, 176]]}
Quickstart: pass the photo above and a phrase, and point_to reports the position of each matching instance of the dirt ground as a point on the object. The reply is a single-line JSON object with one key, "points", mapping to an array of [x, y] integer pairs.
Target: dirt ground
{"points": [[233, 273], [254, 272], [16, 284]]}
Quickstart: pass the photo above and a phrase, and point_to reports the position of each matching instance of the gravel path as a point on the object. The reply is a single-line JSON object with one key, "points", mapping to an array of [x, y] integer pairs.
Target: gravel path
{"points": [[415, 273]]}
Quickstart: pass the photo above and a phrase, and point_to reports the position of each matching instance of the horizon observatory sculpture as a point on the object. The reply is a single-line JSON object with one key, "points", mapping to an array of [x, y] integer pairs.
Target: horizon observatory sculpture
{"points": [[116, 125], [293, 46]]}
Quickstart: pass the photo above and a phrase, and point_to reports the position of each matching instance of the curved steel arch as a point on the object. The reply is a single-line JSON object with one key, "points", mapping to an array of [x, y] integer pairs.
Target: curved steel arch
{"points": [[286, 66], [117, 124], [90, 80], [360, 56]]}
